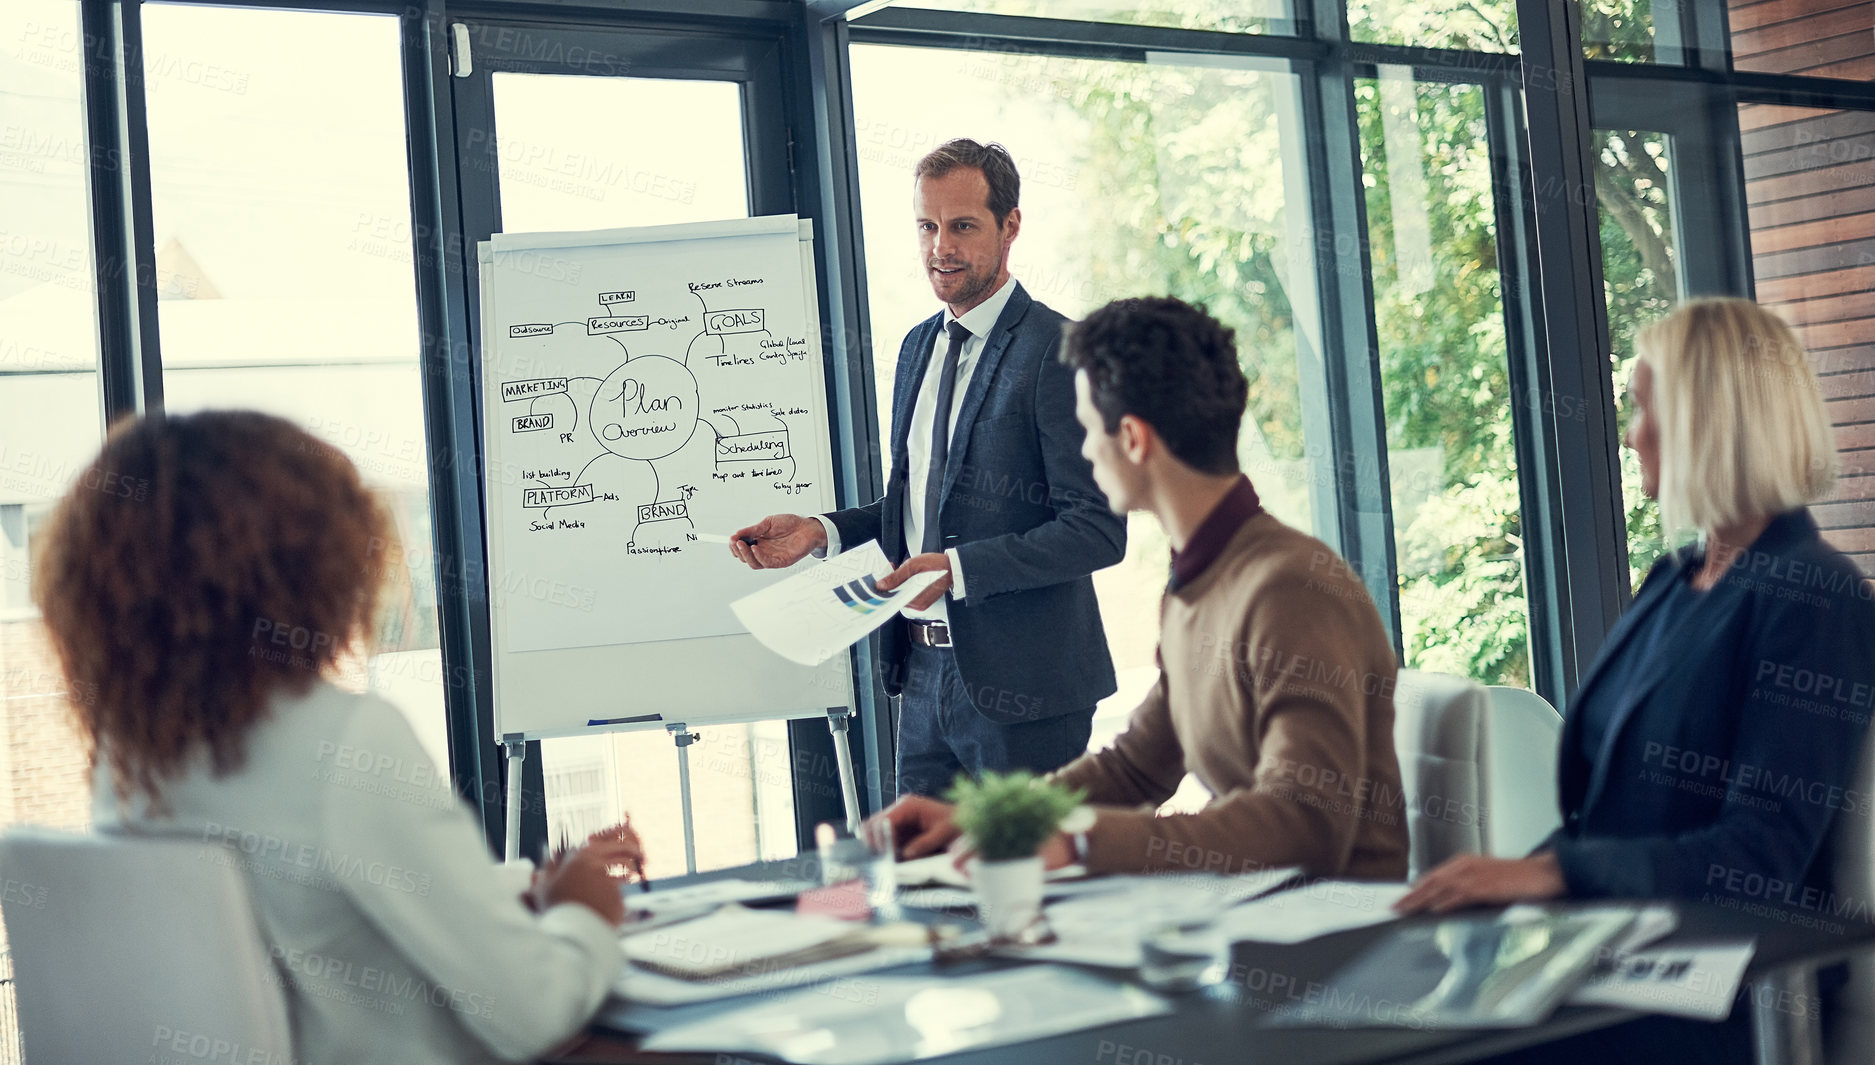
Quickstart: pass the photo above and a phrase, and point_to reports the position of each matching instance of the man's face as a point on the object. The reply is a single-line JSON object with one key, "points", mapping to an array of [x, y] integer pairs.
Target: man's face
{"points": [[964, 252], [1119, 478]]}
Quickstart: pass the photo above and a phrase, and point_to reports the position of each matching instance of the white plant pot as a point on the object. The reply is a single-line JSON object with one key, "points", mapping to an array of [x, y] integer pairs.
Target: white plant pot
{"points": [[1009, 894]]}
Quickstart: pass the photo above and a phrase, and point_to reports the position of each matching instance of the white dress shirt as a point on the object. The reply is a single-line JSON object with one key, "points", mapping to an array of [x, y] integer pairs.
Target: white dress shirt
{"points": [[395, 935], [979, 320]]}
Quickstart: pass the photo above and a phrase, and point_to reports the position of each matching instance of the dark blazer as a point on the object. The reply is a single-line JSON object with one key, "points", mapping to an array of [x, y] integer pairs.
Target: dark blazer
{"points": [[1021, 508], [1726, 760]]}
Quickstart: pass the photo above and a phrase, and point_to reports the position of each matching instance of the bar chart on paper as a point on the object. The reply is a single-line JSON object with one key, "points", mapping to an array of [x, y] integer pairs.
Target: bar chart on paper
{"points": [[812, 616]]}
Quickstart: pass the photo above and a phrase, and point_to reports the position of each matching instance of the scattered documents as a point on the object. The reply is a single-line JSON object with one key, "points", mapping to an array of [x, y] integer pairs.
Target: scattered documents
{"points": [[941, 869], [909, 1018], [1313, 910], [1102, 920], [814, 615], [1700, 982]]}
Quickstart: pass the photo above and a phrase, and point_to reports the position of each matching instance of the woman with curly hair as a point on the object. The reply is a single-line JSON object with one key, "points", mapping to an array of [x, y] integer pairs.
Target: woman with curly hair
{"points": [[201, 584]]}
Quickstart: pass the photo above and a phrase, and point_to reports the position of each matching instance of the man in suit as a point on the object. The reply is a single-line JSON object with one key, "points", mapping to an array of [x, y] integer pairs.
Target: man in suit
{"points": [[998, 665]]}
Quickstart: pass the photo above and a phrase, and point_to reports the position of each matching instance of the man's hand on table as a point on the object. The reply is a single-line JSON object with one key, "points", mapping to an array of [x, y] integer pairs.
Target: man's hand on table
{"points": [[923, 826]]}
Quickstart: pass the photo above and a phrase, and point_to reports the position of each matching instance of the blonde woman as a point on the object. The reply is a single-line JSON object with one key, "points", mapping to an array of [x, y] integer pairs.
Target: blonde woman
{"points": [[1712, 742], [201, 600]]}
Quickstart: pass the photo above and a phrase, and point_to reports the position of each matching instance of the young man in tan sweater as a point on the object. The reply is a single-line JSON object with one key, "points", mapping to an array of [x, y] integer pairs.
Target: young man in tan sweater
{"points": [[1276, 676]]}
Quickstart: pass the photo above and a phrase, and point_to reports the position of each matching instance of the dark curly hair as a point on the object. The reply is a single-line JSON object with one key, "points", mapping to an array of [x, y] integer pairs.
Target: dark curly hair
{"points": [[200, 566], [1172, 366]]}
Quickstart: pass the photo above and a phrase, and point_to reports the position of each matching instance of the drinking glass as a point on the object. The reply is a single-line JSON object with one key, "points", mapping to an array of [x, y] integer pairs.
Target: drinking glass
{"points": [[866, 858]]}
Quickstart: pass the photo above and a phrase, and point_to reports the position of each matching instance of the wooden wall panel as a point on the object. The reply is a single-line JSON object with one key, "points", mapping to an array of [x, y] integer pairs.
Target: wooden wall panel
{"points": [[1810, 183]]}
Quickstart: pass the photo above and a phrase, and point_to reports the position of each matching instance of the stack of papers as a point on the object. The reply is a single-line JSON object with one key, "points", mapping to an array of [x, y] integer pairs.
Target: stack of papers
{"points": [[715, 893], [735, 941]]}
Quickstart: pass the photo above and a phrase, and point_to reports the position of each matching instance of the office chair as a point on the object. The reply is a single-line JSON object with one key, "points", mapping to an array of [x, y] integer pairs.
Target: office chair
{"points": [[1520, 802], [1439, 734], [133, 949]]}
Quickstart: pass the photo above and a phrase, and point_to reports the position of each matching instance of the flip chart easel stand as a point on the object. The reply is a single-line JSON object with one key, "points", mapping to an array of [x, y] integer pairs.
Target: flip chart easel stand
{"points": [[838, 720], [683, 737]]}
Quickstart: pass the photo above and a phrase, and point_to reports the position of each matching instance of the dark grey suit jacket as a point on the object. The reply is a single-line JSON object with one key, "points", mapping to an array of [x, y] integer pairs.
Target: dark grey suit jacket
{"points": [[1021, 508]]}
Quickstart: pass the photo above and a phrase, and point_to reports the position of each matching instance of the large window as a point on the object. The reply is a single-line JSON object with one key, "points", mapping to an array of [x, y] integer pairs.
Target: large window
{"points": [[282, 223], [1439, 312], [1640, 283], [1481, 25], [1138, 179], [49, 412]]}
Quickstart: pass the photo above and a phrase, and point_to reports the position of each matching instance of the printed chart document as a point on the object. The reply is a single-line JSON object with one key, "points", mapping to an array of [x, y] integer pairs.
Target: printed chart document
{"points": [[1692, 981], [812, 616]]}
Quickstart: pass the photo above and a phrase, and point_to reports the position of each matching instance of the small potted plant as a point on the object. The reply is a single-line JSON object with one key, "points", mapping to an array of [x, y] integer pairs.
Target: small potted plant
{"points": [[1006, 818]]}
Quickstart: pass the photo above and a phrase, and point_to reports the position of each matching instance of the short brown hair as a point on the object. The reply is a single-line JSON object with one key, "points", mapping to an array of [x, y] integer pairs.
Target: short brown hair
{"points": [[992, 158], [174, 564]]}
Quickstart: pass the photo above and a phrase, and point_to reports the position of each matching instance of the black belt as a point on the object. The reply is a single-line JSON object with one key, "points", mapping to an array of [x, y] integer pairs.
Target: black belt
{"points": [[930, 633]]}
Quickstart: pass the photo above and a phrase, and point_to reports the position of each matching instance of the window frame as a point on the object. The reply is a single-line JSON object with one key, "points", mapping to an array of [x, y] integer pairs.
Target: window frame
{"points": [[1538, 110]]}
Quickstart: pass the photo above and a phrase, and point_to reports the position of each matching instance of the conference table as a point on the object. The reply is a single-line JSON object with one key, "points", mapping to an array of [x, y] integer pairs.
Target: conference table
{"points": [[1226, 1024]]}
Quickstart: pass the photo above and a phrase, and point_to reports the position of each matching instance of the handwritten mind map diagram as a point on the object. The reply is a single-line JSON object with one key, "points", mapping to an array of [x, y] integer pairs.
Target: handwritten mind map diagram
{"points": [[663, 392]]}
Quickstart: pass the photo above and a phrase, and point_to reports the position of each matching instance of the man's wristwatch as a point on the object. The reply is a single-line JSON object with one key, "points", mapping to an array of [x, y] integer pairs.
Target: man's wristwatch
{"points": [[1077, 824]]}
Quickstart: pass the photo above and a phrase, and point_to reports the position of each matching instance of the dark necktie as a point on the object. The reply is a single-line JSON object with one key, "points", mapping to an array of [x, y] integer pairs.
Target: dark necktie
{"points": [[941, 438]]}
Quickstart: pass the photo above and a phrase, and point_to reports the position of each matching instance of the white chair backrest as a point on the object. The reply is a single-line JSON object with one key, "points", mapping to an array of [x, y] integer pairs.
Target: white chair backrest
{"points": [[1852, 848], [1438, 732], [1520, 802], [134, 949]]}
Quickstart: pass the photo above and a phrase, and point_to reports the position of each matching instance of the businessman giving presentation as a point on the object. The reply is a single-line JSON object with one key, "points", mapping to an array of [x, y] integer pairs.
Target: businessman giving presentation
{"points": [[999, 663]]}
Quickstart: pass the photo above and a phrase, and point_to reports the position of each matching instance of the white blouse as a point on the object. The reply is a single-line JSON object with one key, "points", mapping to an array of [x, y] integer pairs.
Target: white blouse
{"points": [[393, 931]]}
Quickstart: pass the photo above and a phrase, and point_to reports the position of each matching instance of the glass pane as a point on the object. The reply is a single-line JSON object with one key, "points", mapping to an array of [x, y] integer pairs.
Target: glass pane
{"points": [[1810, 184], [1229, 16], [1445, 378], [1474, 25], [282, 214], [1632, 190], [49, 416], [683, 162], [556, 175], [1822, 38], [1620, 29], [1137, 179]]}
